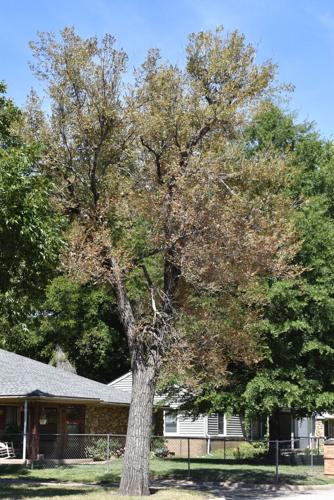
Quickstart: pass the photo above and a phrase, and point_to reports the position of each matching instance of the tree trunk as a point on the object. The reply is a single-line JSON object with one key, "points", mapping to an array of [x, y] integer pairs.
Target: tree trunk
{"points": [[135, 474]]}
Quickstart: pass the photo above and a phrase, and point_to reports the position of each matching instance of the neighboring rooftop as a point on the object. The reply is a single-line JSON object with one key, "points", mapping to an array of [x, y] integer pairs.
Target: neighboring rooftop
{"points": [[21, 376], [124, 384]]}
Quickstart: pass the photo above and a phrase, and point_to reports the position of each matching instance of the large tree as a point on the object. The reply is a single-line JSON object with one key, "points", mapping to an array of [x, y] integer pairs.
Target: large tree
{"points": [[82, 319], [163, 202], [295, 368], [298, 328], [30, 226]]}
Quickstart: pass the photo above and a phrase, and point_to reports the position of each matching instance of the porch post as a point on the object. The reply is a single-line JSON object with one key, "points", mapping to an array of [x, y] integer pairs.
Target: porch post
{"points": [[25, 421], [292, 433], [34, 430]]}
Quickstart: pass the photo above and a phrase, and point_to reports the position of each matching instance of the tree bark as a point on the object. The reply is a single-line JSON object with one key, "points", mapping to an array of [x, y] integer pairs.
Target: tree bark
{"points": [[135, 474]]}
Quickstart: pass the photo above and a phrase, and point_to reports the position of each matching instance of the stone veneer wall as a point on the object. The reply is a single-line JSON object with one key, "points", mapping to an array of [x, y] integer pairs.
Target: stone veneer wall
{"points": [[106, 419], [319, 428], [114, 420]]}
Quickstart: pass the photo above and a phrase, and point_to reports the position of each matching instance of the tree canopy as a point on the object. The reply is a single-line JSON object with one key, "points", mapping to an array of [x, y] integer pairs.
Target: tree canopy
{"points": [[30, 226], [163, 203], [82, 319], [184, 219], [295, 368]]}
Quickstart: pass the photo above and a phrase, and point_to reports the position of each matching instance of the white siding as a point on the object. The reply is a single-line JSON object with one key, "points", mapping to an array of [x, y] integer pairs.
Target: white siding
{"points": [[187, 426], [213, 424], [124, 383], [233, 426]]}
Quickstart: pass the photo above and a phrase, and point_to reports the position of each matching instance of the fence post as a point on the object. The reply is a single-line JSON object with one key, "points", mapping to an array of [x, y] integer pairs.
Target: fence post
{"points": [[292, 440], [277, 455], [224, 449], [108, 451], [188, 458], [311, 440]]}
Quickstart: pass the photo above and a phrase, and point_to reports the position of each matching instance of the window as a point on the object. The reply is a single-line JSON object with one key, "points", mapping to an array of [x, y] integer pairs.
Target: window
{"points": [[11, 415], [48, 421], [170, 423], [74, 418], [221, 423], [8, 417], [329, 428]]}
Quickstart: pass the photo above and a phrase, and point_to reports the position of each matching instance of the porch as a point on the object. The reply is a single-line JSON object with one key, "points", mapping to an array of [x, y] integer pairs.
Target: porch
{"points": [[42, 429], [32, 427]]}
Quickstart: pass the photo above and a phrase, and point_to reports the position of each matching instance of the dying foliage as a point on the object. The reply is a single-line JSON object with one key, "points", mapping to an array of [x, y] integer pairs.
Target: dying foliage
{"points": [[163, 202]]}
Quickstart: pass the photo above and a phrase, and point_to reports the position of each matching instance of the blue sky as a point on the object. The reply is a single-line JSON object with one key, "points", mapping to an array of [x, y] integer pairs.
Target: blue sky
{"points": [[296, 34]]}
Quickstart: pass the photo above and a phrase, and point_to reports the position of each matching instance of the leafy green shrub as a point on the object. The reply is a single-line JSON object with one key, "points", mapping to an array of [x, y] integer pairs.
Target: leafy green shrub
{"points": [[97, 451], [116, 448], [261, 446], [249, 450], [159, 447]]}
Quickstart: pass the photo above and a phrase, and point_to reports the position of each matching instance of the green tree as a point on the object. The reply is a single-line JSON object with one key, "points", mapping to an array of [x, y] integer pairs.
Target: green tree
{"points": [[30, 226], [83, 320], [296, 368]]}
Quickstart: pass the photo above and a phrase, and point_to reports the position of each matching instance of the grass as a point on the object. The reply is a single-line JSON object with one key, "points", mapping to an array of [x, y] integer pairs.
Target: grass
{"points": [[208, 468], [54, 492]]}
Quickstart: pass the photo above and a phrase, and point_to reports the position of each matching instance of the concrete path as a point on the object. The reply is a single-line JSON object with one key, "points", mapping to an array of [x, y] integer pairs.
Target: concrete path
{"points": [[257, 492], [327, 494]]}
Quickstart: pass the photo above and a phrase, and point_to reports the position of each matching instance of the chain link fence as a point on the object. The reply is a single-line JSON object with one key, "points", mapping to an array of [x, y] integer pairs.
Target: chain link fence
{"points": [[197, 458], [306, 451]]}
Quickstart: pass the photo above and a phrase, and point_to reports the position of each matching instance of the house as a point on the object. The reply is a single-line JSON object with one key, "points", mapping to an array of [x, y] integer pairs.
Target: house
{"points": [[53, 413], [45, 404], [217, 430], [301, 429], [208, 432]]}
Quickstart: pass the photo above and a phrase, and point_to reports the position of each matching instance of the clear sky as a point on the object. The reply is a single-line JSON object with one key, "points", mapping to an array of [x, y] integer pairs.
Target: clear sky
{"points": [[296, 34]]}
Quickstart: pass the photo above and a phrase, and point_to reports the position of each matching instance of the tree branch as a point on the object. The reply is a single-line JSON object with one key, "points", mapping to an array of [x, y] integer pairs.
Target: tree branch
{"points": [[157, 158]]}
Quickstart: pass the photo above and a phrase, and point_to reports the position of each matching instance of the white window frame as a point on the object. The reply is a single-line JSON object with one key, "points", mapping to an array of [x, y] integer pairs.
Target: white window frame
{"points": [[218, 434], [225, 426], [177, 425]]}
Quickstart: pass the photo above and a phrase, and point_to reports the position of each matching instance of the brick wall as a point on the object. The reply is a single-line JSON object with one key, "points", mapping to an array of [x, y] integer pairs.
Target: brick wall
{"points": [[106, 419], [114, 420]]}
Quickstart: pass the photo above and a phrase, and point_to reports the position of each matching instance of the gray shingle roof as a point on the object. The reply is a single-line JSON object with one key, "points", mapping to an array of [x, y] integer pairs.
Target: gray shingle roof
{"points": [[20, 376]]}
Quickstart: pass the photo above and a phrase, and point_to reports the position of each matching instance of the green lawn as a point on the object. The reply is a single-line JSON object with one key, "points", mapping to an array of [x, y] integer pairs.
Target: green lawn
{"points": [[202, 469], [37, 491]]}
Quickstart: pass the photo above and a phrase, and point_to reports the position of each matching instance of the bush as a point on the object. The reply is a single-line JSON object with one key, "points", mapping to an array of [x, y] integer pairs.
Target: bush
{"points": [[159, 448], [116, 449], [97, 451], [250, 450]]}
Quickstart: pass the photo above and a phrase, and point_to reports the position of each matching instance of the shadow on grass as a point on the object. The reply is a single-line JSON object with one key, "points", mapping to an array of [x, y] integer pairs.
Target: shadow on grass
{"points": [[39, 491], [256, 475], [201, 469], [231, 475], [223, 461], [16, 470]]}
